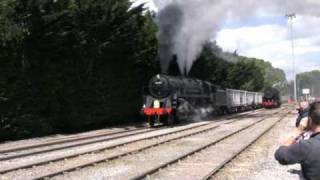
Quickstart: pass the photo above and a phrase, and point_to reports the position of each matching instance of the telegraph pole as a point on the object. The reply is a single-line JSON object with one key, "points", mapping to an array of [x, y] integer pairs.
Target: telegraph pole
{"points": [[291, 17]]}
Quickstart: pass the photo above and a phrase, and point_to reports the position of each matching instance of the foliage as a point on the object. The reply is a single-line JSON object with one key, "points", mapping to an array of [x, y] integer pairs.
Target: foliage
{"points": [[232, 71], [71, 65], [309, 80], [210, 67], [246, 75]]}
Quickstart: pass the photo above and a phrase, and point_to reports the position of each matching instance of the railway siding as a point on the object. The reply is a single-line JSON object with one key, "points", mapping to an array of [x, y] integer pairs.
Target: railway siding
{"points": [[93, 158], [31, 147], [258, 162], [76, 151], [209, 161], [140, 163], [172, 142], [70, 143], [8, 147]]}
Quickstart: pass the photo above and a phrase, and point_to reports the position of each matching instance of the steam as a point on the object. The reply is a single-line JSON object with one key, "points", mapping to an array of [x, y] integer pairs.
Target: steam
{"points": [[185, 25], [187, 111]]}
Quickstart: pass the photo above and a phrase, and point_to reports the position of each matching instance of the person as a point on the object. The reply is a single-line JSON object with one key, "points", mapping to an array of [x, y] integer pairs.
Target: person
{"points": [[304, 152], [302, 120], [302, 112]]}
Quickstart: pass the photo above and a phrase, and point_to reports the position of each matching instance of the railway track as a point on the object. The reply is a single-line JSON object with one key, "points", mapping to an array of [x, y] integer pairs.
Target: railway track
{"points": [[184, 132], [60, 140], [22, 155], [197, 163], [131, 161], [34, 149], [14, 151], [203, 163]]}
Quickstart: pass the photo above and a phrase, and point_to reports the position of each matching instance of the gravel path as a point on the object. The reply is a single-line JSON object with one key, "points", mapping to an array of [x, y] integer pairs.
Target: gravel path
{"points": [[258, 163]]}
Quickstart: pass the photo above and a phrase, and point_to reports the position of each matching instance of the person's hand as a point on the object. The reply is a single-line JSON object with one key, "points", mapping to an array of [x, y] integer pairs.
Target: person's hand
{"points": [[309, 125], [291, 140], [302, 127]]}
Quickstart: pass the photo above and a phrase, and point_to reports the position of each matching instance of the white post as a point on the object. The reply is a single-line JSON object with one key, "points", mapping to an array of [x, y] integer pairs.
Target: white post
{"points": [[290, 17]]}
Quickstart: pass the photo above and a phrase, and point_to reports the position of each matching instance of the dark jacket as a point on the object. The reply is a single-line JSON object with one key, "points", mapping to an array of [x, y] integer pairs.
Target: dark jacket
{"points": [[301, 114], [306, 153]]}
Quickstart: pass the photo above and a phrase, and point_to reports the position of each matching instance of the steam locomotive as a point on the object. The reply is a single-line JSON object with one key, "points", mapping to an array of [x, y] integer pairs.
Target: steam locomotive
{"points": [[271, 98], [169, 99]]}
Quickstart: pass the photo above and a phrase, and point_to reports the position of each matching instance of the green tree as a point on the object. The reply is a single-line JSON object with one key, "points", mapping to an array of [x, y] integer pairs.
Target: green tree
{"points": [[246, 75], [210, 67], [309, 80], [232, 71], [78, 64]]}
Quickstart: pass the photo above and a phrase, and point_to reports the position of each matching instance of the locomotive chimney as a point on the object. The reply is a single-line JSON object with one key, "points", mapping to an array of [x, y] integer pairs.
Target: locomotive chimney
{"points": [[174, 67]]}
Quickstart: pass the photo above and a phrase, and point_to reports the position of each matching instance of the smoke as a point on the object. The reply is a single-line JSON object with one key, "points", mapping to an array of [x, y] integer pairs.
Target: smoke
{"points": [[185, 25], [170, 22]]}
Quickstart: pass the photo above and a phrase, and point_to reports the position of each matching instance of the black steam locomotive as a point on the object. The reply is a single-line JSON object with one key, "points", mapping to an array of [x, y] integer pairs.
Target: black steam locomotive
{"points": [[271, 98], [169, 99]]}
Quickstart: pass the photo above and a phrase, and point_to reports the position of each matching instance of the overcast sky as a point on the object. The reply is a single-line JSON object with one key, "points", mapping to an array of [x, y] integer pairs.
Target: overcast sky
{"points": [[266, 36]]}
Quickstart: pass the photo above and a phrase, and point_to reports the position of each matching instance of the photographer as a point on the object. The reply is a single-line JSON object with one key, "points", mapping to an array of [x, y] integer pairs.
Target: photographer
{"points": [[302, 112], [302, 121], [304, 152]]}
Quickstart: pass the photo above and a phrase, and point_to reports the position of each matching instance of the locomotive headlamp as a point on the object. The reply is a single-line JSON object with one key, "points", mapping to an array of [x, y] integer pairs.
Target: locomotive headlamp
{"points": [[156, 104]]}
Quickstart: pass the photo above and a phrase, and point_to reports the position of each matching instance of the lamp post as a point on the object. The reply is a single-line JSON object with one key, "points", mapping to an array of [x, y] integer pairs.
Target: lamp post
{"points": [[290, 17]]}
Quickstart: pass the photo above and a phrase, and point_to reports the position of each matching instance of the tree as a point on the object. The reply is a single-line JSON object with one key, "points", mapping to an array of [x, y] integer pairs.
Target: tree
{"points": [[234, 72], [246, 75], [210, 67], [309, 80], [76, 65]]}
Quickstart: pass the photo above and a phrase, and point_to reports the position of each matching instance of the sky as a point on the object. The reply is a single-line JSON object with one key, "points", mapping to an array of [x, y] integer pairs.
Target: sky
{"points": [[266, 35]]}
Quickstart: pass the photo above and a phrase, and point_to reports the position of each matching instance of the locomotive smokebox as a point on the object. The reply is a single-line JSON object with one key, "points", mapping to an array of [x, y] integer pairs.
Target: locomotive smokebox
{"points": [[159, 86]]}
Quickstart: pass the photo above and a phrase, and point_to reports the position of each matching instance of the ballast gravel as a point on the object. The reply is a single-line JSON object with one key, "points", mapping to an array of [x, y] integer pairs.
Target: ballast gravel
{"points": [[258, 162], [130, 166]]}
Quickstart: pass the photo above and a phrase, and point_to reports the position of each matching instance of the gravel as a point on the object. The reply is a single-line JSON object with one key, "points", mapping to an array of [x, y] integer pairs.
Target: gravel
{"points": [[130, 166], [258, 163], [121, 168], [201, 164], [71, 143], [57, 137], [62, 136], [86, 148]]}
